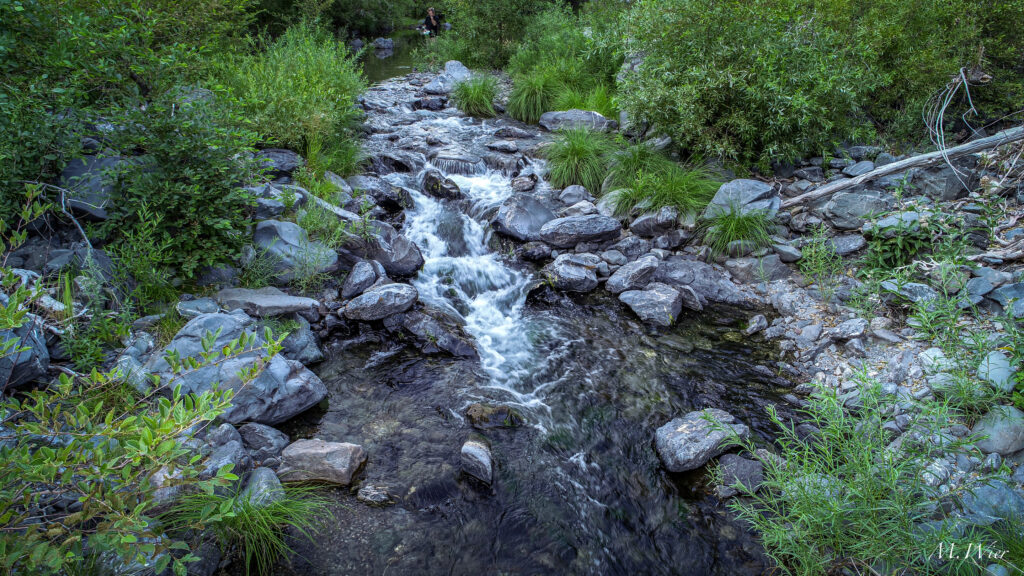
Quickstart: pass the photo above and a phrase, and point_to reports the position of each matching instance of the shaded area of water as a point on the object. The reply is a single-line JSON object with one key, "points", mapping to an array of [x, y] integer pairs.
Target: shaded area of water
{"points": [[379, 65]]}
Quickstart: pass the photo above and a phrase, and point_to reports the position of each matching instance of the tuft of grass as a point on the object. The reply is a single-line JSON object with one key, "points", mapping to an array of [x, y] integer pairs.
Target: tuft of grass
{"points": [[727, 226], [599, 99], [578, 156], [821, 264], [686, 189], [533, 94], [343, 155], [475, 96], [630, 161], [260, 271], [255, 528]]}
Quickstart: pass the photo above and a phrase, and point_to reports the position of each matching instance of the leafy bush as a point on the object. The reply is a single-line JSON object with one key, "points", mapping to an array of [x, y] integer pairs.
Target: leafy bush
{"points": [[532, 95], [726, 226], [191, 177], [475, 96], [484, 33], [849, 495], [578, 156], [360, 17], [302, 88], [253, 526], [686, 189]]}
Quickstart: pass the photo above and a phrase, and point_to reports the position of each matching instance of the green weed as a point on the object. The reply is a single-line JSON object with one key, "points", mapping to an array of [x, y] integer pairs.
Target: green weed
{"points": [[532, 95], [578, 156], [727, 226], [475, 96]]}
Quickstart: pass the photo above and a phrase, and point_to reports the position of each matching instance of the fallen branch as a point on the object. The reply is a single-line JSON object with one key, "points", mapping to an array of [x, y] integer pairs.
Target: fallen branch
{"points": [[1014, 251], [929, 159]]}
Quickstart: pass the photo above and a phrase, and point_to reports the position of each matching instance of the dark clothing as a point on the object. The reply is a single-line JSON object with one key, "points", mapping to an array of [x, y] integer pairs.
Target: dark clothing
{"points": [[434, 26]]}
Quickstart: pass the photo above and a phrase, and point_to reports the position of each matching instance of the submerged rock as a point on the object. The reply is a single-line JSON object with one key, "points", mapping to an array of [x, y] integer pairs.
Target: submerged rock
{"points": [[476, 460], [335, 462], [688, 443], [487, 416], [437, 185]]}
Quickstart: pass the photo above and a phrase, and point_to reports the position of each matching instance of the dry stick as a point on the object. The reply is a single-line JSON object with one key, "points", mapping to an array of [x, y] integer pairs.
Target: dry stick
{"points": [[1004, 137]]}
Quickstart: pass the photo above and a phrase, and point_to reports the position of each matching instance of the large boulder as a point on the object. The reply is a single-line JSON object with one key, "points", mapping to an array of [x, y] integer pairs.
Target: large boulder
{"points": [[29, 358], [944, 183], [658, 304], [279, 162], [710, 285], [850, 210], [384, 194], [438, 185], [395, 252], [570, 119], [573, 272], [89, 181], [291, 250], [688, 443], [633, 275], [264, 302], [454, 72], [380, 302], [317, 460], [655, 223], [522, 216], [744, 196], [570, 231], [282, 390], [1004, 428]]}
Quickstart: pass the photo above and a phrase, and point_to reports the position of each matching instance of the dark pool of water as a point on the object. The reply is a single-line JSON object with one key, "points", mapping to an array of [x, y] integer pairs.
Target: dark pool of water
{"points": [[577, 490], [381, 65]]}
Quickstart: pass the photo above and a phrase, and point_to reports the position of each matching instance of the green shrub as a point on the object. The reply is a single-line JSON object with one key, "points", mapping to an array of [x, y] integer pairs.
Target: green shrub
{"points": [[686, 189], [484, 33], [191, 177], [849, 496], [532, 95], [554, 42], [634, 159], [302, 87], [726, 226], [254, 527], [475, 96], [578, 156]]}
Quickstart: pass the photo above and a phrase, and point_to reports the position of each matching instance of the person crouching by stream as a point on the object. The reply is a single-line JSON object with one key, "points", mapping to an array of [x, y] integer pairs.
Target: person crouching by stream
{"points": [[432, 23]]}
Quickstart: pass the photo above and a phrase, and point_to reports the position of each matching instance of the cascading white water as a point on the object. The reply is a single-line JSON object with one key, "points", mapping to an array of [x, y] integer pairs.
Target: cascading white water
{"points": [[464, 277]]}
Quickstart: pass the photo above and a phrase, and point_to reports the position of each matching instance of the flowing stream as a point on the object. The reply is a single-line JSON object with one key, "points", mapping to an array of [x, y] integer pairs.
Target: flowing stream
{"points": [[578, 488]]}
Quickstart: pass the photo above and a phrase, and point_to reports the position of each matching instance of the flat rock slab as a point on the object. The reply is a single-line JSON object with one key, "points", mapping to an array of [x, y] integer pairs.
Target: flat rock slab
{"points": [[381, 302], [264, 302], [688, 443], [318, 460], [570, 231]]}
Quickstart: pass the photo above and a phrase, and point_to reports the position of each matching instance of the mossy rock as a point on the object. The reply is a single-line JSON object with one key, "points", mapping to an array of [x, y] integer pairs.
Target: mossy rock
{"points": [[488, 416]]}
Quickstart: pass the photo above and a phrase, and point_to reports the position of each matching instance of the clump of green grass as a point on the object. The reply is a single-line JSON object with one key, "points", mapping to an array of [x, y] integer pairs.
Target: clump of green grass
{"points": [[726, 226], [475, 96], [685, 189], [599, 99], [255, 527], [821, 264], [343, 155], [632, 160], [578, 156], [533, 94]]}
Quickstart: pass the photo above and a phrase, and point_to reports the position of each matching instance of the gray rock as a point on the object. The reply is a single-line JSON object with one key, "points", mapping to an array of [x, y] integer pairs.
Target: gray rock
{"points": [[854, 328], [787, 253], [756, 324], [581, 208], [568, 232], [708, 283], [301, 344], [632, 247], [995, 277], [90, 181], [264, 302], [457, 70], [279, 162], [476, 460], [524, 183], [996, 370], [221, 435], [456, 160], [263, 488], [654, 224], [189, 309], [395, 252], [291, 250], [29, 359], [536, 251], [384, 194], [810, 173], [1010, 294], [282, 390], [208, 560], [374, 495], [317, 460], [979, 286], [944, 183], [440, 332], [1004, 427], [569, 119], [230, 453], [848, 243], [573, 272], [658, 304], [383, 44], [990, 503], [860, 168], [437, 185], [522, 216], [382, 301], [850, 210], [633, 276], [753, 270], [736, 470], [361, 277], [745, 196], [688, 443], [573, 194], [912, 291], [506, 146], [262, 441], [614, 257]]}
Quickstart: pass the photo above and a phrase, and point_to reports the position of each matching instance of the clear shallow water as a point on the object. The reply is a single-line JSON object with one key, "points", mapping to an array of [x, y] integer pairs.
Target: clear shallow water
{"points": [[578, 489]]}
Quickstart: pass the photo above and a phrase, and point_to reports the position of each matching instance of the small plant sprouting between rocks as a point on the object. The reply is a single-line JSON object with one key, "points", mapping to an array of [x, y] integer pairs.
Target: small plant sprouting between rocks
{"points": [[821, 264], [735, 224]]}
